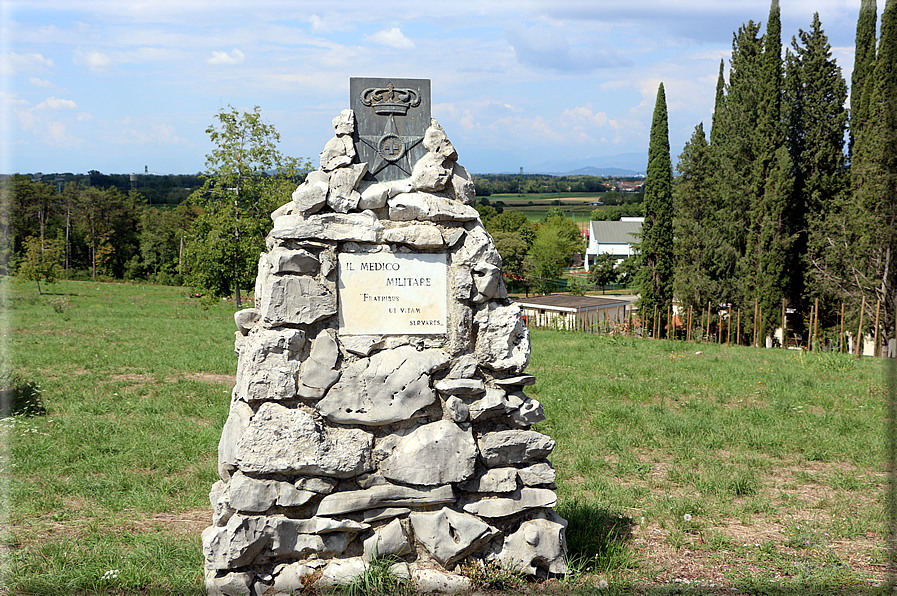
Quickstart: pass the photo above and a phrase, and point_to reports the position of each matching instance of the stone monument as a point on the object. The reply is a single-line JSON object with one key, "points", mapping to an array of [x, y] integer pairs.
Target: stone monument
{"points": [[378, 408]]}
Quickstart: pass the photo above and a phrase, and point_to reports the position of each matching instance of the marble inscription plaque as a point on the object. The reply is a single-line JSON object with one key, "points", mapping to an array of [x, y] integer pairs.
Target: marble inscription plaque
{"points": [[392, 294]]}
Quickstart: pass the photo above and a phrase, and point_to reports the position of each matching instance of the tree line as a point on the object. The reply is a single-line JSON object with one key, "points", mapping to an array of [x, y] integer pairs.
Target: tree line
{"points": [[772, 211]]}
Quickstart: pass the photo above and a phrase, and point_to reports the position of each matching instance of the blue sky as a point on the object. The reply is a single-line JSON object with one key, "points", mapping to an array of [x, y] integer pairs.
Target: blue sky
{"points": [[541, 84]]}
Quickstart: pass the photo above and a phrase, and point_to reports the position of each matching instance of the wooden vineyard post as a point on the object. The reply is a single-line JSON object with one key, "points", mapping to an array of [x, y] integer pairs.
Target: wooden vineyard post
{"points": [[707, 333], [688, 329], [877, 313], [654, 324], [760, 327], [859, 342], [816, 326], [841, 336], [784, 321], [756, 318], [738, 330], [810, 331], [729, 326], [670, 321]]}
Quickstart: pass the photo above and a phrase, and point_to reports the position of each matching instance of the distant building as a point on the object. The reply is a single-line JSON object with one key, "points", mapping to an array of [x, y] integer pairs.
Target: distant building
{"points": [[563, 311], [613, 238]]}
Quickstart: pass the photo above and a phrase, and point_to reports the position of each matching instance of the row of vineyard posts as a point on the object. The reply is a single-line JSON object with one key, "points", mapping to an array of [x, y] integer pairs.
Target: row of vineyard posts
{"points": [[724, 326]]}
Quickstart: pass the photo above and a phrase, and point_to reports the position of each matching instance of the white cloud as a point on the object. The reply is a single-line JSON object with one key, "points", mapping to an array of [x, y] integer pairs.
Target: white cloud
{"points": [[154, 134], [12, 64], [393, 38], [41, 83], [57, 104], [235, 57], [94, 60]]}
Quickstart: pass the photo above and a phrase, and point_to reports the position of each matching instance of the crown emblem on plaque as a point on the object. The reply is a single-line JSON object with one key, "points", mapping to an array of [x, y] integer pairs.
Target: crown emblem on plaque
{"points": [[389, 100]]}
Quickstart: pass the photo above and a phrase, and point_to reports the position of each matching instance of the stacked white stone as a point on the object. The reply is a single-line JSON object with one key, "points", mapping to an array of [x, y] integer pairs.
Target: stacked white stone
{"points": [[340, 448]]}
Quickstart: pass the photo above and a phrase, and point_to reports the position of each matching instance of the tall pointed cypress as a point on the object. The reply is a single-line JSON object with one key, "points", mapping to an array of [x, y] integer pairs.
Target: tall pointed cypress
{"points": [[734, 150], [863, 65], [719, 105], [693, 218], [874, 217], [655, 279]]}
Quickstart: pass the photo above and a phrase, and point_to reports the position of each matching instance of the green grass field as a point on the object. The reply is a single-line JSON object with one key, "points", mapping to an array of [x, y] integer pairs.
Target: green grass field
{"points": [[682, 468], [535, 206]]}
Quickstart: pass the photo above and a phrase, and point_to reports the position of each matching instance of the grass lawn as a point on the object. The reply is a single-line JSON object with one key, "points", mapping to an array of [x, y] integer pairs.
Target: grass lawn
{"points": [[682, 468]]}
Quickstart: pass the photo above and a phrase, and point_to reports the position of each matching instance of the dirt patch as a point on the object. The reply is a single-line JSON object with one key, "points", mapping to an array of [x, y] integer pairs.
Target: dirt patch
{"points": [[212, 378]]}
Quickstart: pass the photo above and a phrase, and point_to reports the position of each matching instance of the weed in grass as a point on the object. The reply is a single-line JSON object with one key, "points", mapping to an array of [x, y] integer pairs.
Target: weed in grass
{"points": [[490, 575], [378, 579], [20, 396]]}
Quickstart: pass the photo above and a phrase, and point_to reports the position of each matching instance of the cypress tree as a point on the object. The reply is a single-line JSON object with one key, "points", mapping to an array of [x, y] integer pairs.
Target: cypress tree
{"points": [[770, 266], [693, 217], [863, 65], [719, 106], [874, 213], [814, 104], [656, 247], [733, 149]]}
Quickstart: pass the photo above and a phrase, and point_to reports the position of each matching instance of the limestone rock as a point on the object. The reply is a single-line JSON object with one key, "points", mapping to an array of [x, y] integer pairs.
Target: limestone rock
{"points": [[297, 300], [316, 484], [374, 196], [374, 515], [460, 386], [285, 209], [496, 402], [389, 539], [362, 345], [344, 124], [246, 319], [418, 236], [537, 547], [387, 387], [288, 577], [502, 337], [342, 571], [309, 197], [537, 474], [430, 173], [518, 501], [449, 535], [292, 261], [360, 227], [451, 236], [436, 141], [495, 480], [477, 247], [462, 184], [463, 284], [238, 420], [489, 283], [282, 440], [516, 380], [338, 152], [384, 496], [429, 581], [260, 538], [428, 207], [465, 367], [457, 409], [529, 413], [251, 495], [235, 583], [506, 447], [318, 373], [221, 509], [269, 364], [436, 453], [343, 197]]}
